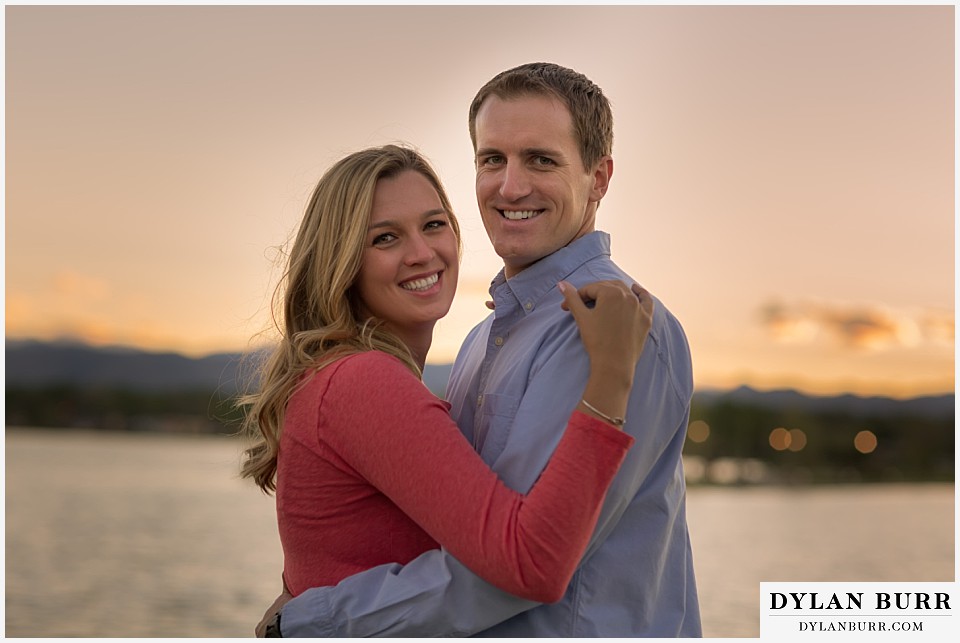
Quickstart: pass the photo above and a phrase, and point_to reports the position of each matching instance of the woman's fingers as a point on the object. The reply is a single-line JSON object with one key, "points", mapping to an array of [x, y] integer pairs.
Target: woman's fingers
{"points": [[572, 299]]}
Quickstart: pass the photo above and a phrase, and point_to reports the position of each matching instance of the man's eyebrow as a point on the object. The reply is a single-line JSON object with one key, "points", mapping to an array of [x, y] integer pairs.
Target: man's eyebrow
{"points": [[528, 151], [541, 151], [391, 223]]}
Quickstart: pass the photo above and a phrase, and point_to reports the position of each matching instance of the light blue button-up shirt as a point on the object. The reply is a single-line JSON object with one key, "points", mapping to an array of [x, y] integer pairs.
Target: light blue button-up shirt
{"points": [[518, 377]]}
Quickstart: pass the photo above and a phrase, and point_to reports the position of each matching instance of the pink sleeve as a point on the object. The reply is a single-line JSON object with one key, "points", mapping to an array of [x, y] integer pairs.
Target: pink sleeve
{"points": [[383, 421]]}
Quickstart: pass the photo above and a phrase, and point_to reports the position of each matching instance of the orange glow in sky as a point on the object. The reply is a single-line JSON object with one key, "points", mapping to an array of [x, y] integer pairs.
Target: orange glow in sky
{"points": [[784, 175]]}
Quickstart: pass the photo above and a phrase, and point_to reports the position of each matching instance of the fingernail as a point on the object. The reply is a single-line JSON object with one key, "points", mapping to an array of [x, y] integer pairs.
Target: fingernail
{"points": [[562, 286]]}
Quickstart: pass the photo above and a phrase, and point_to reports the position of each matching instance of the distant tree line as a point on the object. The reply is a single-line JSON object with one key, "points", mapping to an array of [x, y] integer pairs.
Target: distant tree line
{"points": [[69, 406], [910, 446], [907, 447]]}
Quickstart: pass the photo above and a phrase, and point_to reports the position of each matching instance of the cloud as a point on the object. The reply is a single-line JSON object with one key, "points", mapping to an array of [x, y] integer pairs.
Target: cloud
{"points": [[67, 304], [74, 306], [938, 326], [863, 327], [68, 283]]}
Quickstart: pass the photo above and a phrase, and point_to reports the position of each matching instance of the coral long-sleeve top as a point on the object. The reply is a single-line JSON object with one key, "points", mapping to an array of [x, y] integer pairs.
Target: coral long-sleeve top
{"points": [[373, 470]]}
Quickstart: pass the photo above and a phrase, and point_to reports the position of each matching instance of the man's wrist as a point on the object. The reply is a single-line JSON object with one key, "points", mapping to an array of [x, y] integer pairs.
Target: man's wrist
{"points": [[273, 627]]}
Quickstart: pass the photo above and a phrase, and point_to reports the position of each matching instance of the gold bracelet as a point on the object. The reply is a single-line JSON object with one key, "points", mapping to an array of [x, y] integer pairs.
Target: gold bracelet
{"points": [[617, 422]]}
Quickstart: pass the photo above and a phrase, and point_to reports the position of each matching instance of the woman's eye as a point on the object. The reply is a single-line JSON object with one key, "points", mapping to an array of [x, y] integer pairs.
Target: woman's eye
{"points": [[381, 239], [435, 225]]}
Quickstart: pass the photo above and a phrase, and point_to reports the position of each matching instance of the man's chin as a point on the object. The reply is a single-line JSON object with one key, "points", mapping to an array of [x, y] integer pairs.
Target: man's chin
{"points": [[513, 263]]}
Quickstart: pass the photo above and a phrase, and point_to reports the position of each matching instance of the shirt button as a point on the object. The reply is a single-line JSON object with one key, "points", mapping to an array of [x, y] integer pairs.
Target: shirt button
{"points": [[498, 341], [479, 400], [528, 305]]}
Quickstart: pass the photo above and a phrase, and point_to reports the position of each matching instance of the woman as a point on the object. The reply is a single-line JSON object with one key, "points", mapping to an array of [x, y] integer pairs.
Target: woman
{"points": [[367, 464]]}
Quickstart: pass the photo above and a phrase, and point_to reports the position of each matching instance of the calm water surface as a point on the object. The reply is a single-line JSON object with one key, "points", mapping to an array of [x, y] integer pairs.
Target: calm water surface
{"points": [[155, 535]]}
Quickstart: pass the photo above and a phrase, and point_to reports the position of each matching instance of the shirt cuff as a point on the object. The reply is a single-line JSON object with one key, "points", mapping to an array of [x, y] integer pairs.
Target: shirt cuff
{"points": [[618, 436], [308, 615]]}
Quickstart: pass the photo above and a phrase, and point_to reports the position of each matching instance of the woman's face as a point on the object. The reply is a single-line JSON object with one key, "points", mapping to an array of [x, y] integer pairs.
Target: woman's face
{"points": [[409, 271]]}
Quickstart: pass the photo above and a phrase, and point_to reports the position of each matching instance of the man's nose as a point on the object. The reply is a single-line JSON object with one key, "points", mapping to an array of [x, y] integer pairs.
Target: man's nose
{"points": [[514, 182]]}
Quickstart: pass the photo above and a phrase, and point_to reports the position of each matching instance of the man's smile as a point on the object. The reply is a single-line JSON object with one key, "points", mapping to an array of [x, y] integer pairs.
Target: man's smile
{"points": [[519, 215]]}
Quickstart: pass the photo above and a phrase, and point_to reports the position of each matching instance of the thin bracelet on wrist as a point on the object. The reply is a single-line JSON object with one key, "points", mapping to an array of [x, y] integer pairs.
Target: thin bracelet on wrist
{"points": [[615, 421]]}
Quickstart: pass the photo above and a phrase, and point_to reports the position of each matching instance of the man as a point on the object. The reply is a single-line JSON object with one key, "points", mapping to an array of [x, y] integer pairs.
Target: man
{"points": [[543, 137]]}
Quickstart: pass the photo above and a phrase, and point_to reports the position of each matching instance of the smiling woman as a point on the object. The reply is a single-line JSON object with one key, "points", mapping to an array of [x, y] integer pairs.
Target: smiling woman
{"points": [[409, 271]]}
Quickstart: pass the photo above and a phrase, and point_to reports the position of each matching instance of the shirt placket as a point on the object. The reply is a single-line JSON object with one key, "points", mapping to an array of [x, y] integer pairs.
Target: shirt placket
{"points": [[507, 312]]}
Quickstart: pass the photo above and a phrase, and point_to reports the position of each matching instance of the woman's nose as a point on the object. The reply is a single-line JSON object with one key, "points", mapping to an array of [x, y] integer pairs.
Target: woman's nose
{"points": [[419, 251]]}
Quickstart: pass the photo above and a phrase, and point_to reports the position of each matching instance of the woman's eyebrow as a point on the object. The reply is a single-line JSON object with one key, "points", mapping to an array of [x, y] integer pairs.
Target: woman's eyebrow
{"points": [[390, 223]]}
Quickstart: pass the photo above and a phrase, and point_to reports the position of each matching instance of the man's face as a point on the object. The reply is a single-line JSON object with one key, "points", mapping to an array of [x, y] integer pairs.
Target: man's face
{"points": [[535, 195]]}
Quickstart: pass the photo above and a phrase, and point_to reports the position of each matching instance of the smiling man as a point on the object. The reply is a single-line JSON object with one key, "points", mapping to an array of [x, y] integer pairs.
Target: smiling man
{"points": [[535, 195], [543, 137]]}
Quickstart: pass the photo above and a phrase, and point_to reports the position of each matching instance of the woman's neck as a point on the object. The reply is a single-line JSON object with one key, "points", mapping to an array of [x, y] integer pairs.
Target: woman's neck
{"points": [[418, 341]]}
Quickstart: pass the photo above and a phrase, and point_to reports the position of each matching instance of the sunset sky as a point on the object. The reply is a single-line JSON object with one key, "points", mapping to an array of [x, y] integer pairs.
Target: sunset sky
{"points": [[784, 176]]}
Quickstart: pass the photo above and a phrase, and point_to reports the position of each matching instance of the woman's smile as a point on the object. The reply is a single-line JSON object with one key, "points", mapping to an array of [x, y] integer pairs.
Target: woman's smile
{"points": [[421, 284]]}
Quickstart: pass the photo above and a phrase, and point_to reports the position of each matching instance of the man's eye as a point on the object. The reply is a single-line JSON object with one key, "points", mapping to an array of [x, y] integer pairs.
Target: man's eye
{"points": [[493, 160], [543, 160]]}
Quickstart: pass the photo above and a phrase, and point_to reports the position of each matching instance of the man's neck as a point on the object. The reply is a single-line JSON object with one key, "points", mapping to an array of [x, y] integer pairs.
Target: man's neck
{"points": [[509, 272]]}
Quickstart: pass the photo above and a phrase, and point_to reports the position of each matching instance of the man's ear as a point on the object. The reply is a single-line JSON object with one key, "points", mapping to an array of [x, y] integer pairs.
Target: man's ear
{"points": [[602, 172]]}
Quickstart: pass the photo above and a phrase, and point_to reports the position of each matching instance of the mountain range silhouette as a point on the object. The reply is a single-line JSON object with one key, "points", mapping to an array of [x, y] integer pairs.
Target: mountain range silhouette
{"points": [[33, 364]]}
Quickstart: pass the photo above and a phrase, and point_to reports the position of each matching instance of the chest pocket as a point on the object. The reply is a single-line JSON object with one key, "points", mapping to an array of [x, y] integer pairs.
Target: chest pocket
{"points": [[493, 424]]}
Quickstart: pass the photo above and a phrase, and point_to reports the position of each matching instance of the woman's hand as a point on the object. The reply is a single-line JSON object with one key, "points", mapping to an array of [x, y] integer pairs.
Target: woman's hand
{"points": [[615, 329], [613, 332]]}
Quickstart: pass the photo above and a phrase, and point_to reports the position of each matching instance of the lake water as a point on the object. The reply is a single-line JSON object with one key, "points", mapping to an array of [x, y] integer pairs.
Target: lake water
{"points": [[146, 535]]}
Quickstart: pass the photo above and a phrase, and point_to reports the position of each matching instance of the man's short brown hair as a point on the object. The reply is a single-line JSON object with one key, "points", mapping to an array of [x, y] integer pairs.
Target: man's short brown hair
{"points": [[589, 108]]}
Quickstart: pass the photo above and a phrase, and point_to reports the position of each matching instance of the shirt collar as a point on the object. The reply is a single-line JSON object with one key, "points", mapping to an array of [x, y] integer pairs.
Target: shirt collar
{"points": [[535, 281]]}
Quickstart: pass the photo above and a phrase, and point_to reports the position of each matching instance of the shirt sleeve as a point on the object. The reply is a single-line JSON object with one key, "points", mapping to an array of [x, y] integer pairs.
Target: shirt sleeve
{"points": [[398, 436], [435, 595]]}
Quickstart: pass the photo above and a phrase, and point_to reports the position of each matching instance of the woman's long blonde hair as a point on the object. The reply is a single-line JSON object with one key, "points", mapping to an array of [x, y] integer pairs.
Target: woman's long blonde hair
{"points": [[318, 319]]}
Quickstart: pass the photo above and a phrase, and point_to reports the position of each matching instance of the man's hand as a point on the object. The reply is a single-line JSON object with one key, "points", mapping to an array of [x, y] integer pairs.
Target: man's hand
{"points": [[273, 609]]}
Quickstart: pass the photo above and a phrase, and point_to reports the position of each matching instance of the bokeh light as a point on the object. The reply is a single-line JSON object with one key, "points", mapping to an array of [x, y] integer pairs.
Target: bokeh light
{"points": [[798, 440], [865, 442], [780, 439], [698, 431]]}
